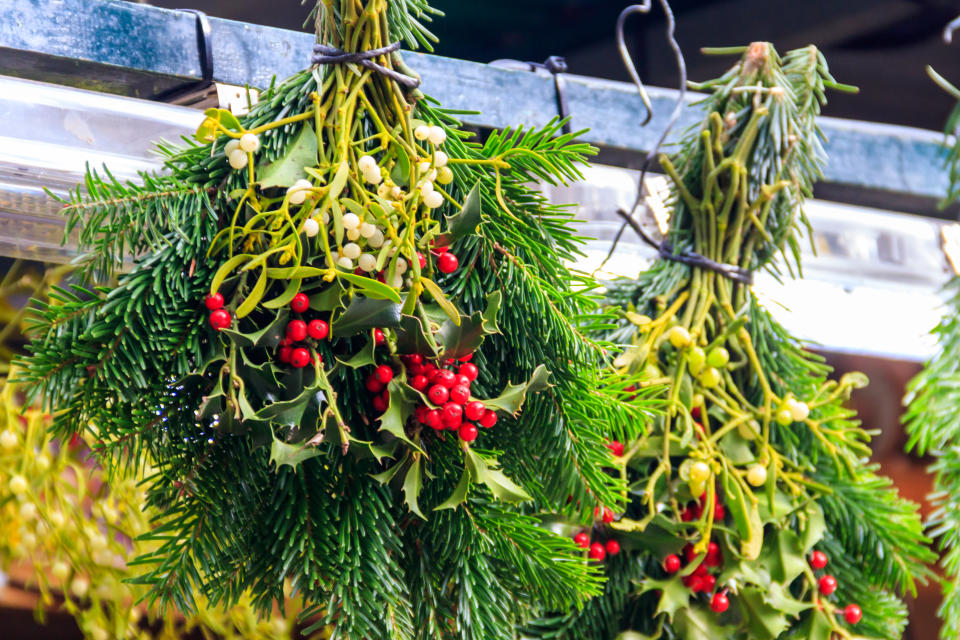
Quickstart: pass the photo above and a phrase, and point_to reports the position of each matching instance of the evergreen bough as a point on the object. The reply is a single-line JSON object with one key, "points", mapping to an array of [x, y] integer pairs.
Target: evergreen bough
{"points": [[757, 467], [267, 472]]}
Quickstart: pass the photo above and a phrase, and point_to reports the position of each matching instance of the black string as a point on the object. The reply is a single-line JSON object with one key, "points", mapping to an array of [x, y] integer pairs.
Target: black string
{"points": [[687, 257], [326, 54], [556, 66]]}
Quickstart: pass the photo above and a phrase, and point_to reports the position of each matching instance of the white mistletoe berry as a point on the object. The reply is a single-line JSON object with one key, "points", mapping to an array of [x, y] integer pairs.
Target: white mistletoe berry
{"points": [[311, 227], [353, 234], [437, 136], [237, 159], [250, 142], [351, 250], [345, 263], [367, 262], [440, 159], [231, 146], [367, 230], [367, 164], [445, 175], [401, 266], [422, 132], [351, 221], [433, 199], [8, 439], [376, 240]]}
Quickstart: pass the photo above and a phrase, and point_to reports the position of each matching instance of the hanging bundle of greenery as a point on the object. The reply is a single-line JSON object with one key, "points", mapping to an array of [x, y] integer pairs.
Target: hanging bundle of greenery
{"points": [[930, 419], [349, 344], [754, 510]]}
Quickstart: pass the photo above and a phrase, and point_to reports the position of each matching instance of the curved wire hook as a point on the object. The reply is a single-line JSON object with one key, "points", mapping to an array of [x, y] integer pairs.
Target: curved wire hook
{"points": [[628, 217], [949, 29]]}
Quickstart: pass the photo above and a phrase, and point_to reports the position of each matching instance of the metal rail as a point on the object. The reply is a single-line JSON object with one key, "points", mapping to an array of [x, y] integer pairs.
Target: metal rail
{"points": [[142, 51]]}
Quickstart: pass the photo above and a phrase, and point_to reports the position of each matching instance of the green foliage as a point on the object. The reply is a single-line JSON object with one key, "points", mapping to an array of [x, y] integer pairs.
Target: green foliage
{"points": [[266, 473], [763, 433]]}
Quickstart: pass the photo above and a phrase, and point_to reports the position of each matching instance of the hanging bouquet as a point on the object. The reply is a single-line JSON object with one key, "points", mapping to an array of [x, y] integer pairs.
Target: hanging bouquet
{"points": [[754, 510], [348, 343]]}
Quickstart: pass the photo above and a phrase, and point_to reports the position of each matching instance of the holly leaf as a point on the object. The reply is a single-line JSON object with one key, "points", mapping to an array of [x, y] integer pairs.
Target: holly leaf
{"points": [[328, 299], [783, 555], [363, 357], [815, 528], [781, 600], [698, 623], [674, 595], [387, 476], [403, 401], [459, 493], [364, 314], [660, 537], [483, 471], [412, 485], [514, 395], [816, 626], [465, 221], [764, 621], [282, 453], [412, 337], [288, 168], [458, 341], [290, 412], [267, 337]]}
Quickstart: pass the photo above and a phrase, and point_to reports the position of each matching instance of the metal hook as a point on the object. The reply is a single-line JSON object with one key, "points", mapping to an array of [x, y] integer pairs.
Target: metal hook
{"points": [[949, 29], [628, 217]]}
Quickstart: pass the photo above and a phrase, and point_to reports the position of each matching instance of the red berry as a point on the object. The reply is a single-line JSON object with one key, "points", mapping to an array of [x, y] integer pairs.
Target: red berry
{"points": [[469, 369], [713, 550], [438, 394], [852, 613], [439, 250], [489, 419], [378, 337], [604, 514], [220, 319], [459, 394], [582, 539], [689, 553], [286, 342], [214, 301], [597, 552], [695, 413], [434, 420], [300, 357], [373, 385], [383, 373], [612, 547], [687, 515], [701, 570], [671, 564], [297, 330], [818, 559], [468, 432], [285, 353], [419, 382], [827, 584], [452, 414], [445, 378], [416, 370], [709, 582], [719, 602], [615, 447], [420, 413], [422, 260], [719, 513], [462, 380], [379, 403], [447, 262], [300, 303], [318, 329], [474, 410], [695, 583], [415, 358], [465, 358]]}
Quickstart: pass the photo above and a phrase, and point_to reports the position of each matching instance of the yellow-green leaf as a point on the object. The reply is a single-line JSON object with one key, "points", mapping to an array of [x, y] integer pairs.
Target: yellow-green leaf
{"points": [[437, 294], [250, 303], [284, 297], [226, 269]]}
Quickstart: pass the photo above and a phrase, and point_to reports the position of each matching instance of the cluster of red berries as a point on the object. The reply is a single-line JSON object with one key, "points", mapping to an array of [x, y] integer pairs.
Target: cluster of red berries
{"points": [[827, 584], [701, 580], [448, 392], [297, 331], [598, 550], [220, 318]]}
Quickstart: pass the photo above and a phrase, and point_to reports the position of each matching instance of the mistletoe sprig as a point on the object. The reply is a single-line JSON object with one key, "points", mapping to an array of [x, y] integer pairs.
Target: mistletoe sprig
{"points": [[757, 477], [348, 343]]}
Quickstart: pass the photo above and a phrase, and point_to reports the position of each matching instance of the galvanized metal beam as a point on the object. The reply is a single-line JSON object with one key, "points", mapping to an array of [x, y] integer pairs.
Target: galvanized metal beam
{"points": [[137, 50]]}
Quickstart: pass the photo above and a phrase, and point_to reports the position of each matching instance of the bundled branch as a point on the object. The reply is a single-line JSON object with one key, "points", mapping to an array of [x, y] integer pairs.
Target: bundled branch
{"points": [[930, 418], [350, 347], [754, 512]]}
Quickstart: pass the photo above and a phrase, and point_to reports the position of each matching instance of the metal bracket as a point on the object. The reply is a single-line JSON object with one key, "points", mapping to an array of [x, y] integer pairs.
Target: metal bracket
{"points": [[195, 91], [556, 66]]}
